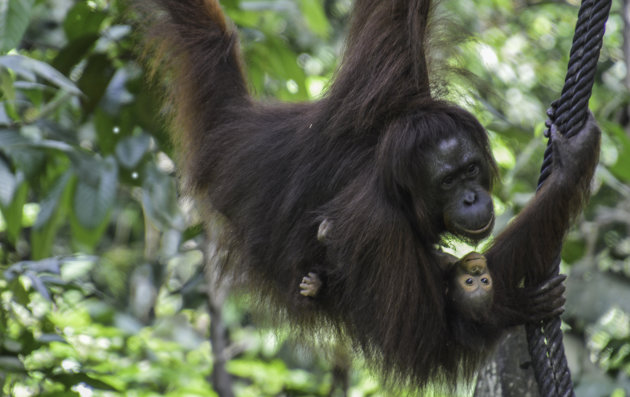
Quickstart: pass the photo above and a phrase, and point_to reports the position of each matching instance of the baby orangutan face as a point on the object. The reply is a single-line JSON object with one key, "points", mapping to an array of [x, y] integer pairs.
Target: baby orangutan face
{"points": [[470, 287]]}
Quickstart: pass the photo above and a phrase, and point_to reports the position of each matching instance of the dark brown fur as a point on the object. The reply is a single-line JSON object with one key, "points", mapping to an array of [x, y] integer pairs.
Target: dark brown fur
{"points": [[356, 156]]}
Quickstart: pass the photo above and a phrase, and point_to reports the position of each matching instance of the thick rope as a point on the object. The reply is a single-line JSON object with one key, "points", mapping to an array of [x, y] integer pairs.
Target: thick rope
{"points": [[569, 114]]}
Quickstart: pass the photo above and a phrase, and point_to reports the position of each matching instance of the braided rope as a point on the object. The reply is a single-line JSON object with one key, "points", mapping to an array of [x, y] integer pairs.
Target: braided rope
{"points": [[569, 114]]}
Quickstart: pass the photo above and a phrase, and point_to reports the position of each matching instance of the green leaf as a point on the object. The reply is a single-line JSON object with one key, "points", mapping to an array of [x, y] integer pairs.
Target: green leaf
{"points": [[52, 201], [30, 68], [192, 231], [83, 20], [28, 160], [271, 376], [53, 210], [38, 285], [277, 60], [15, 16], [621, 169], [130, 150], [93, 200], [73, 53], [313, 13], [74, 379], [159, 199], [144, 109], [94, 81], [7, 92], [10, 138], [108, 130], [8, 183], [19, 293], [60, 394], [13, 213], [13, 191], [11, 364], [48, 265]]}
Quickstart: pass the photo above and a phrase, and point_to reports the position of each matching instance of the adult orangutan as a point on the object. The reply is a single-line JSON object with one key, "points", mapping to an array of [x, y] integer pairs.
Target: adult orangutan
{"points": [[392, 169]]}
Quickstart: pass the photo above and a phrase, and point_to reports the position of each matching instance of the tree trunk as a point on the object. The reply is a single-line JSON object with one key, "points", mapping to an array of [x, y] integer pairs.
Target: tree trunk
{"points": [[509, 371], [217, 290]]}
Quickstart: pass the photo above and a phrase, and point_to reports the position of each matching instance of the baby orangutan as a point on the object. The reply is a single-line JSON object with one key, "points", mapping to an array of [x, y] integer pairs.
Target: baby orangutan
{"points": [[469, 287]]}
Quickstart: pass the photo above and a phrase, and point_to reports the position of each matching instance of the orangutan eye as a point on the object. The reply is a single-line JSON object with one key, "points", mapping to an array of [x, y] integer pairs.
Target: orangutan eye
{"points": [[448, 182], [473, 169]]}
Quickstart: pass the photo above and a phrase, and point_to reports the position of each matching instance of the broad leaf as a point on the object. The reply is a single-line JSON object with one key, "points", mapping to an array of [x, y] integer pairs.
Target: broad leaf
{"points": [[93, 199], [83, 20], [30, 68], [53, 210], [130, 150], [15, 16], [313, 13], [94, 81]]}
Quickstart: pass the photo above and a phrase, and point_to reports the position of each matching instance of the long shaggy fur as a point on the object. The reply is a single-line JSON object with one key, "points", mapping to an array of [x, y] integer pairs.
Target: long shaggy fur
{"points": [[355, 157]]}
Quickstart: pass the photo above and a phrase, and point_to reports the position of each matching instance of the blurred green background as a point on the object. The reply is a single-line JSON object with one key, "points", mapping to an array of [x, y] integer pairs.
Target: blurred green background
{"points": [[102, 290]]}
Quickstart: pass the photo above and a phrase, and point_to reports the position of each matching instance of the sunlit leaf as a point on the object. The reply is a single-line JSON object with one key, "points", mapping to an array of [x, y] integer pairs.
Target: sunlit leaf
{"points": [[8, 111], [313, 13], [275, 59], [20, 295], [621, 168]]}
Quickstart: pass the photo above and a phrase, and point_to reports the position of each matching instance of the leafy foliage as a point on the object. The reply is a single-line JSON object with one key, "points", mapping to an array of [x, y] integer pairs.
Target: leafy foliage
{"points": [[103, 289]]}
